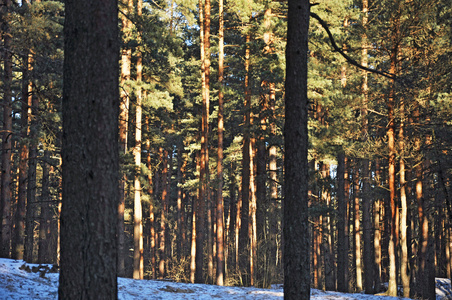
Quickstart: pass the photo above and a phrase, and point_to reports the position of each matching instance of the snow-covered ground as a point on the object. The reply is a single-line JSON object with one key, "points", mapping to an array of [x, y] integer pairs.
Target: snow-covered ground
{"points": [[19, 281]]}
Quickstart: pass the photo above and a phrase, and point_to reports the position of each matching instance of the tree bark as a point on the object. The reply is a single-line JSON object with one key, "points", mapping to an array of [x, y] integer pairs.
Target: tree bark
{"points": [[296, 226], [342, 255], [6, 195], [220, 202], [44, 256], [19, 228], [33, 105], [90, 151], [126, 58], [138, 263]]}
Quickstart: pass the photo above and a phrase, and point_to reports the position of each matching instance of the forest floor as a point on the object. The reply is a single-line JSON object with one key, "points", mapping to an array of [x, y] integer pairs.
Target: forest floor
{"points": [[27, 281]]}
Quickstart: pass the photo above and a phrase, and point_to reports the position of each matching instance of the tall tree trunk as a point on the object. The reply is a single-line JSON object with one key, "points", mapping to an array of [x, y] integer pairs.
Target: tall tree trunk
{"points": [[163, 216], [179, 204], [366, 176], [90, 156], [296, 225], [252, 224], [44, 256], [357, 229], [6, 195], [244, 241], [126, 58], [19, 228], [220, 203], [342, 235], [152, 251], [392, 288], [377, 245], [138, 262], [194, 231], [404, 274], [33, 105]]}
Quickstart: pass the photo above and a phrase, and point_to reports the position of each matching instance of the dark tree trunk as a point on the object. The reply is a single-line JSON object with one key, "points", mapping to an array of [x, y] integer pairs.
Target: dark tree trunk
{"points": [[342, 236], [296, 226], [90, 151], [6, 200], [44, 255]]}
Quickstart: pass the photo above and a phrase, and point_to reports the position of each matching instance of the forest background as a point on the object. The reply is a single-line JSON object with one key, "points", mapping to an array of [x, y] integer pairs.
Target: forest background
{"points": [[201, 123]]}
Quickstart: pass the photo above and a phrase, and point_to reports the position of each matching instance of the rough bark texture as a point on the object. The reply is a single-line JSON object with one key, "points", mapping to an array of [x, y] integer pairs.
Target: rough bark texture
{"points": [[6, 200], [90, 151], [296, 226], [244, 241]]}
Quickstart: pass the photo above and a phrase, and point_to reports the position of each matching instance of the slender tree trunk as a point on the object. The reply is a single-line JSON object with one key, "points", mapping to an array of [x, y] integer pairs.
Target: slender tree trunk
{"points": [[163, 217], [32, 104], [44, 256], [244, 241], [342, 255], [404, 274], [194, 238], [138, 262], [252, 224], [296, 225], [366, 176], [220, 203], [19, 228], [357, 230], [6, 196], [126, 58], [392, 288], [90, 156], [151, 209], [179, 207]]}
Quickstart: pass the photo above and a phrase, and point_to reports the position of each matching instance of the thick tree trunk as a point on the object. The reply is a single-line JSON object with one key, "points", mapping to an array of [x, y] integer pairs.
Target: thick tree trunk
{"points": [[296, 226], [6, 195], [90, 151]]}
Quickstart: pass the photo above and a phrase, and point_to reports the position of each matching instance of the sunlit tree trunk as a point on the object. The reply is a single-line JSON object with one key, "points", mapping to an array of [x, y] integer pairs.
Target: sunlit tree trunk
{"points": [[404, 274], [163, 217], [357, 228], [220, 204], [126, 61], [366, 175], [138, 262], [392, 288]]}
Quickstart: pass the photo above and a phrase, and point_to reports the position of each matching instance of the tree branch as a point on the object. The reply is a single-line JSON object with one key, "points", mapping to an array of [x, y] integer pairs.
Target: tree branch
{"points": [[348, 58]]}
